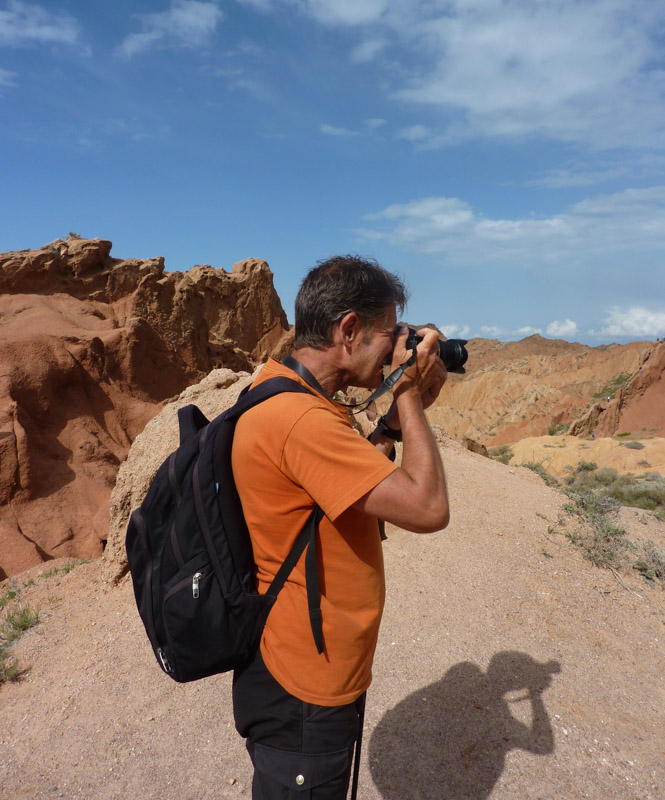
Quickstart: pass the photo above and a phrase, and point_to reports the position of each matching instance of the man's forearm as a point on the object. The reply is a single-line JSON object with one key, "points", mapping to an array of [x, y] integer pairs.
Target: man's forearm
{"points": [[421, 459]]}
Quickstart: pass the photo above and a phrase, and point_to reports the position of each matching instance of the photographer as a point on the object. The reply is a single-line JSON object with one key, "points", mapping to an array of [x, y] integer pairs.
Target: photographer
{"points": [[298, 708]]}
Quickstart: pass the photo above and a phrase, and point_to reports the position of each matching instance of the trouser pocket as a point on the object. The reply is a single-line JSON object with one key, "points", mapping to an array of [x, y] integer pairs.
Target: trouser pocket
{"points": [[285, 775]]}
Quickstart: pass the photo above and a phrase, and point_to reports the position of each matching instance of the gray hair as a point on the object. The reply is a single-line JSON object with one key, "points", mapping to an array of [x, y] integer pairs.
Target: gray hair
{"points": [[337, 286]]}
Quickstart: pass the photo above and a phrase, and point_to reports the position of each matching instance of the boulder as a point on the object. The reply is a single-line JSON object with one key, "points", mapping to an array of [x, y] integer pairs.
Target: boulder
{"points": [[216, 392]]}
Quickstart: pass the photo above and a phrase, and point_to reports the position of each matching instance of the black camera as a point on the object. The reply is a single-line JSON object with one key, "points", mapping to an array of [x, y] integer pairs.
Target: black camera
{"points": [[452, 352]]}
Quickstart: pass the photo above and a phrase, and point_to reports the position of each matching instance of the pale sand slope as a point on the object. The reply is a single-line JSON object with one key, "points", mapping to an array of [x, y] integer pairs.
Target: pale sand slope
{"points": [[460, 706], [558, 453]]}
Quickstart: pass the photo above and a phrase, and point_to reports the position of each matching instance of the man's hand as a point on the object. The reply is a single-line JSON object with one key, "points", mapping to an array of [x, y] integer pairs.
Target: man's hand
{"points": [[428, 374], [413, 497]]}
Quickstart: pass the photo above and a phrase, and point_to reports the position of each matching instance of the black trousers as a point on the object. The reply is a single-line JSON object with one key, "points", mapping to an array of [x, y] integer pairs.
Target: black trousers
{"points": [[300, 751]]}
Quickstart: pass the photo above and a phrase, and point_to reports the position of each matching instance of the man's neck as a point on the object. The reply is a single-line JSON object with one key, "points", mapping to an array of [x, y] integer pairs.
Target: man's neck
{"points": [[324, 367]]}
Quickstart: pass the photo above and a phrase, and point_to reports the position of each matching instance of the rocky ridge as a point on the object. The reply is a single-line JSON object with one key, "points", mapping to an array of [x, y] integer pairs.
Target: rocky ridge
{"points": [[513, 390], [90, 348]]}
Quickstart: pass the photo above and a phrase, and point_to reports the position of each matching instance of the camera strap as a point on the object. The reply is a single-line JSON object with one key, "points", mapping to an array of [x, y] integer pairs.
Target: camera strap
{"points": [[388, 383]]}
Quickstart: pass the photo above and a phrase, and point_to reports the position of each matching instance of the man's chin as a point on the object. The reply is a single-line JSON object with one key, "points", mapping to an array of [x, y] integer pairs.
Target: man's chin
{"points": [[374, 382]]}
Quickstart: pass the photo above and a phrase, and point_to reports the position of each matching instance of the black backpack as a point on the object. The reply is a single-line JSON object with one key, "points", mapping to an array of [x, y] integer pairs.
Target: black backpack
{"points": [[190, 553]]}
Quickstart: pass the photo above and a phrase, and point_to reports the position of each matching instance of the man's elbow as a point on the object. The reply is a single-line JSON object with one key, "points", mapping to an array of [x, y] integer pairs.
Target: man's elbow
{"points": [[433, 518]]}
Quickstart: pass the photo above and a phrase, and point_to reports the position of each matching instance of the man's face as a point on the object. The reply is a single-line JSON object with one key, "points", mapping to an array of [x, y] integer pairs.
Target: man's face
{"points": [[374, 345]]}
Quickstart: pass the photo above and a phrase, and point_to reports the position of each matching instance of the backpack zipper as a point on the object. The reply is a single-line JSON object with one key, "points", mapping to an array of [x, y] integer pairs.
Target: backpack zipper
{"points": [[193, 581]]}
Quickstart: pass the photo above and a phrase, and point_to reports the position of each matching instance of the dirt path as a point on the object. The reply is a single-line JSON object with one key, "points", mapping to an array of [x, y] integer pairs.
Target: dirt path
{"points": [[508, 667]]}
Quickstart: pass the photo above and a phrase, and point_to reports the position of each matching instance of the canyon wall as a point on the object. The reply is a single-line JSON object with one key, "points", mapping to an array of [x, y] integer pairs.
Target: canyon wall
{"points": [[90, 348]]}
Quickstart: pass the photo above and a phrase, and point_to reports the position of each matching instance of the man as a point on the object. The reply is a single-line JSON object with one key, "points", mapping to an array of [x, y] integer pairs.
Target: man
{"points": [[298, 708]]}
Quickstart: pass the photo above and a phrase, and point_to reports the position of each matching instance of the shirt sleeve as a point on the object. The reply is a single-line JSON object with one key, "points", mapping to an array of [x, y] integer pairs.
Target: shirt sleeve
{"points": [[333, 464]]}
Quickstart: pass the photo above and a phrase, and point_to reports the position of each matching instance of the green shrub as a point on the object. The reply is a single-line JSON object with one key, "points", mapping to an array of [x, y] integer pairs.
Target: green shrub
{"points": [[10, 595], [633, 445], [9, 668], [13, 626], [652, 476], [647, 491], [603, 542], [539, 469], [651, 561], [610, 389], [553, 430], [66, 569], [16, 623], [630, 490], [501, 453], [604, 476], [586, 466]]}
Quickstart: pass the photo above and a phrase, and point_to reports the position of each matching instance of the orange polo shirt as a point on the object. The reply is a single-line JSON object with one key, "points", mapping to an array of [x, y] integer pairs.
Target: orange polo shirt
{"points": [[290, 452]]}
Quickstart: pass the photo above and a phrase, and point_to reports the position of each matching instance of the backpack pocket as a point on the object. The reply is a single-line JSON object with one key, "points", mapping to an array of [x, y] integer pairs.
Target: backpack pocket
{"points": [[207, 632], [193, 611]]}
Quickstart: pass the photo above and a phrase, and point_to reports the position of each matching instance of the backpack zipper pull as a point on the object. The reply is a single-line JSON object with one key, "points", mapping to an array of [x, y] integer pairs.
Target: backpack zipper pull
{"points": [[195, 585]]}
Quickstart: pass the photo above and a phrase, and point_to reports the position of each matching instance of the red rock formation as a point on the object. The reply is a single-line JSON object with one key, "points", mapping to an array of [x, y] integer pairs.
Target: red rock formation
{"points": [[513, 390], [90, 347], [639, 406]]}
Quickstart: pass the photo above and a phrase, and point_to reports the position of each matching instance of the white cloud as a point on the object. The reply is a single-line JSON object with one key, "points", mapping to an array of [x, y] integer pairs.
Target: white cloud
{"points": [[629, 222], [367, 51], [493, 331], [374, 123], [527, 330], [7, 78], [571, 71], [345, 12], [24, 24], [239, 79], [415, 133], [330, 12], [562, 330], [454, 331], [188, 23], [578, 71], [635, 321], [565, 178], [260, 5], [331, 130]]}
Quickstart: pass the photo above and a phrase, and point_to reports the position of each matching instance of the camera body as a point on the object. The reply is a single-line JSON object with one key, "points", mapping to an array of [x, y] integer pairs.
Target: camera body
{"points": [[452, 352]]}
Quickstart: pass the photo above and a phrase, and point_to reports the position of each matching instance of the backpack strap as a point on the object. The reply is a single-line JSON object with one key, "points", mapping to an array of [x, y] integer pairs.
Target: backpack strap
{"points": [[307, 536], [190, 421], [257, 394], [306, 539], [312, 581]]}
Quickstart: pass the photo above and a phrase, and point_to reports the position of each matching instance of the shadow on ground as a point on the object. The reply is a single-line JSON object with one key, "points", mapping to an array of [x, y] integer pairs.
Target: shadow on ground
{"points": [[449, 740]]}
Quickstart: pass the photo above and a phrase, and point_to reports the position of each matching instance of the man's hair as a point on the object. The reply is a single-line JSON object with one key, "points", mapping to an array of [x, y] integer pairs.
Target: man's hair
{"points": [[338, 285]]}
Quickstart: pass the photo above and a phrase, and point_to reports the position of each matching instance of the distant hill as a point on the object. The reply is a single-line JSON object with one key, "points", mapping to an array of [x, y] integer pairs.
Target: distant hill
{"points": [[513, 390]]}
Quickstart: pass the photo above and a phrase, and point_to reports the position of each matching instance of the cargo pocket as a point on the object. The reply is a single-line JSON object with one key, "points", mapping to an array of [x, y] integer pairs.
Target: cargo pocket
{"points": [[302, 776]]}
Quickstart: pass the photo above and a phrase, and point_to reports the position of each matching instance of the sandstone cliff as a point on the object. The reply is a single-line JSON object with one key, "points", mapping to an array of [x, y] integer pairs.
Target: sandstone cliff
{"points": [[517, 389], [90, 347]]}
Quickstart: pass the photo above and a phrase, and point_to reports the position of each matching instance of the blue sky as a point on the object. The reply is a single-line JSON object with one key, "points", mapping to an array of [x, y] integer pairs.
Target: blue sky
{"points": [[506, 157]]}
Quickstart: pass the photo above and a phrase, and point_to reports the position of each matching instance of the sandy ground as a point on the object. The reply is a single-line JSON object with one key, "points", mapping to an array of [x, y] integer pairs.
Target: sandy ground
{"points": [[508, 667], [560, 455]]}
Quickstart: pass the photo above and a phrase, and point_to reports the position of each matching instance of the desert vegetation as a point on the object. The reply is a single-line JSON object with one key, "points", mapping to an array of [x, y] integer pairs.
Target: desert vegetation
{"points": [[502, 453], [18, 619], [610, 389], [13, 626], [592, 522]]}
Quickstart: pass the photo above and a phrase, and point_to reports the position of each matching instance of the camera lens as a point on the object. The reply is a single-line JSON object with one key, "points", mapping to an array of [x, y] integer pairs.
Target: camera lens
{"points": [[453, 354]]}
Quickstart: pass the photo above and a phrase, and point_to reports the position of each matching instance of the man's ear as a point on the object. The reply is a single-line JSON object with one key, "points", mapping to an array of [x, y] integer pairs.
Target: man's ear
{"points": [[349, 328]]}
